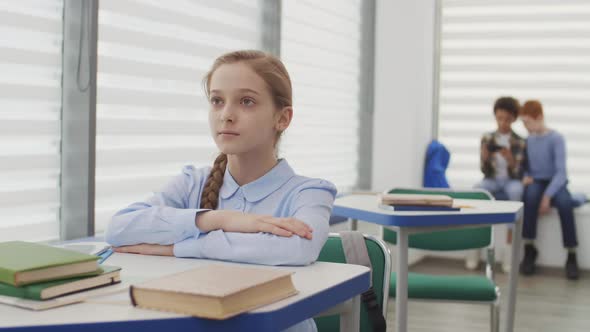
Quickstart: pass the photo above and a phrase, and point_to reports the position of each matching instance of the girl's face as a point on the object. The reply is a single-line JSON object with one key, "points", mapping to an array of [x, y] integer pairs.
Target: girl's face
{"points": [[533, 125], [243, 117]]}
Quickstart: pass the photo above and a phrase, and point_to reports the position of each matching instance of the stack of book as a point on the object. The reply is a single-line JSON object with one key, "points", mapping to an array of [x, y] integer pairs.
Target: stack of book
{"points": [[41, 272], [416, 202]]}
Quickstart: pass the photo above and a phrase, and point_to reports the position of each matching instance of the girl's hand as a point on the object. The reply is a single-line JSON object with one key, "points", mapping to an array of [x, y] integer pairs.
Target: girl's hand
{"points": [[147, 249], [238, 222], [287, 225], [545, 206]]}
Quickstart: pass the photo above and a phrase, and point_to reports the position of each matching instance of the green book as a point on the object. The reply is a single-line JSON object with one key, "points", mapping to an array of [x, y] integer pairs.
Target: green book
{"points": [[24, 263], [108, 275]]}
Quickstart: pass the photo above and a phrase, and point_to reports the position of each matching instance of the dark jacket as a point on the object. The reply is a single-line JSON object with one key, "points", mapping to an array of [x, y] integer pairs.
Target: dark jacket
{"points": [[517, 147]]}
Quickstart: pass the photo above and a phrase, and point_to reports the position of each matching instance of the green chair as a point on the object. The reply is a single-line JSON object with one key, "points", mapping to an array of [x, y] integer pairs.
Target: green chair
{"points": [[466, 288], [381, 263]]}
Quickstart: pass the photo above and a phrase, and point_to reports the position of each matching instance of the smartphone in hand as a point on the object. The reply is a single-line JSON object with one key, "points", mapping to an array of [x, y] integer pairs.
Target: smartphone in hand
{"points": [[493, 147]]}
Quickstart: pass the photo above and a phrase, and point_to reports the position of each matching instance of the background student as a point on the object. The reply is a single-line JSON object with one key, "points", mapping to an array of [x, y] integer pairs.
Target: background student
{"points": [[546, 185], [502, 154]]}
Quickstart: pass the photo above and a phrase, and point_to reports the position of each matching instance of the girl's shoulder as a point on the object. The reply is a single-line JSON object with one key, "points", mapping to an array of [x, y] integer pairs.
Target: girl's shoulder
{"points": [[191, 170], [194, 176], [299, 183], [290, 183]]}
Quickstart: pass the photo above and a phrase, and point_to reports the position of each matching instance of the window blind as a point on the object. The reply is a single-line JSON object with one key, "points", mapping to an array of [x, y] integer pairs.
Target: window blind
{"points": [[151, 109], [321, 47], [527, 49], [30, 106]]}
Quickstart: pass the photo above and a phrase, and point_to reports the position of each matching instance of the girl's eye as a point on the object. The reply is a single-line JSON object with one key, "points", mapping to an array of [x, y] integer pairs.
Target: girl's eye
{"points": [[248, 102], [216, 101]]}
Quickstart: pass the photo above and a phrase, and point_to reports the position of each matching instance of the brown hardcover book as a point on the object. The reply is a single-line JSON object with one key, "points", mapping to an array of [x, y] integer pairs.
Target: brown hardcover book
{"points": [[416, 200], [214, 291]]}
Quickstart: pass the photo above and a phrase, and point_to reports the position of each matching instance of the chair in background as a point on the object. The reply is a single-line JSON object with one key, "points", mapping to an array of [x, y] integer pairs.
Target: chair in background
{"points": [[381, 264]]}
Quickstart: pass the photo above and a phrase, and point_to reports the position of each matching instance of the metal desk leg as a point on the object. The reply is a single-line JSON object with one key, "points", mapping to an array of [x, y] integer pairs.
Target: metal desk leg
{"points": [[516, 244], [350, 321], [401, 292], [353, 224]]}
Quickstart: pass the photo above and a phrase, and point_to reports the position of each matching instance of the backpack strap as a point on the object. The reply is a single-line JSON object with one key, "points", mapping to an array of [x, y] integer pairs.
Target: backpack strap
{"points": [[355, 251]]}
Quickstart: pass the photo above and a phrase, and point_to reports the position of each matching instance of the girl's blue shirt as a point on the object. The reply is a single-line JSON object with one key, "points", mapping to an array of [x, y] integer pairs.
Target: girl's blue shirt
{"points": [[168, 217]]}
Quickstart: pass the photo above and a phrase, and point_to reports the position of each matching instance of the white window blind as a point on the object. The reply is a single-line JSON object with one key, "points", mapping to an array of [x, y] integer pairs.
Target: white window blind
{"points": [[527, 49], [321, 47], [151, 109], [30, 106]]}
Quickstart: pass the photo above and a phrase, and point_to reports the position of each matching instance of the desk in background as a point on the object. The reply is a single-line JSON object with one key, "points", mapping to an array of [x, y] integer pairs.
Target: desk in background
{"points": [[480, 213]]}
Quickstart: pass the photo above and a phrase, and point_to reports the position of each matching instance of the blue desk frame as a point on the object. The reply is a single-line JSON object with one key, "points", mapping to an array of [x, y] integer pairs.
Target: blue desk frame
{"points": [[365, 207], [269, 321]]}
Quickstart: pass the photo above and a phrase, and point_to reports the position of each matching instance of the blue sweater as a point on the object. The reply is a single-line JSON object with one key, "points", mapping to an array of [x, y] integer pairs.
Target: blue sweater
{"points": [[546, 160]]}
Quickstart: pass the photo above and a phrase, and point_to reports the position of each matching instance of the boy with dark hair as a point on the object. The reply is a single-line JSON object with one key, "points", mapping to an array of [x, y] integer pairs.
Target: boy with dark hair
{"points": [[502, 153]]}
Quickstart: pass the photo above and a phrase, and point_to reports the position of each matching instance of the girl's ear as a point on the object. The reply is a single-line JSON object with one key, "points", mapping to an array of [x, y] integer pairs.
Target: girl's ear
{"points": [[284, 118]]}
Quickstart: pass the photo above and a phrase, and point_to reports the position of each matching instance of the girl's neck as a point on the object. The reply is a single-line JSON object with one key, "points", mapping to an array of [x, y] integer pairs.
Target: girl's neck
{"points": [[246, 168]]}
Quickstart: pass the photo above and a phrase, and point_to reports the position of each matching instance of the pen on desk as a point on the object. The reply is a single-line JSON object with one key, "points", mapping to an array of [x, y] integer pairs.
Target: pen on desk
{"points": [[104, 254], [102, 251], [464, 206]]}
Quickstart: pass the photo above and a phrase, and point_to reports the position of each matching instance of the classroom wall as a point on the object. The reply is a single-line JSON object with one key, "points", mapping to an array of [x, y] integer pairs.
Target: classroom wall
{"points": [[404, 44], [404, 73]]}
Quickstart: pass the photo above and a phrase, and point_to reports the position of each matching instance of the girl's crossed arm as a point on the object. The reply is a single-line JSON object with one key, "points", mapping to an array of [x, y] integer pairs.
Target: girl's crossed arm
{"points": [[164, 218], [312, 206]]}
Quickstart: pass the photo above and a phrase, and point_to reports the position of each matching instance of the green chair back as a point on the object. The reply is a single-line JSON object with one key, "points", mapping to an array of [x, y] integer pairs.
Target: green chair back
{"points": [[379, 256], [461, 239]]}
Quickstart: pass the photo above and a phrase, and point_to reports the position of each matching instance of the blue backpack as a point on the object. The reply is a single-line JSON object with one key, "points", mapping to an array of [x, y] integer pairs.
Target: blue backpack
{"points": [[435, 166]]}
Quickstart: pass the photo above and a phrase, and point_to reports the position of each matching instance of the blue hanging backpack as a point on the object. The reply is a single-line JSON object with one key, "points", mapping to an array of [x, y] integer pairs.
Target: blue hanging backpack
{"points": [[435, 165]]}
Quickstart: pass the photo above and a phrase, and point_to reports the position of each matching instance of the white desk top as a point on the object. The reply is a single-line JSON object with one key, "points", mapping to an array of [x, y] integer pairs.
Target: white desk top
{"points": [[308, 280], [366, 207]]}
